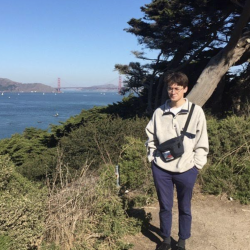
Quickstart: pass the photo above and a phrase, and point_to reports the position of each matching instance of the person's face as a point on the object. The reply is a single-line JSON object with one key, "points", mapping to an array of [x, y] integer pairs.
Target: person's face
{"points": [[176, 92]]}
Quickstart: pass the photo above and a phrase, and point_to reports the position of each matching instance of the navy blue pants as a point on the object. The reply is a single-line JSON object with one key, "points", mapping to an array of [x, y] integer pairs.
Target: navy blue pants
{"points": [[164, 183]]}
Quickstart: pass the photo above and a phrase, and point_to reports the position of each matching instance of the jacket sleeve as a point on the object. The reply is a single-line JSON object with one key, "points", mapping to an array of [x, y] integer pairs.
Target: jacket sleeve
{"points": [[201, 147], [152, 141]]}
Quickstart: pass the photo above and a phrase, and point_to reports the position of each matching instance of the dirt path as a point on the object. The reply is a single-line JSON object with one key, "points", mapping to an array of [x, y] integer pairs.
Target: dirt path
{"points": [[218, 224]]}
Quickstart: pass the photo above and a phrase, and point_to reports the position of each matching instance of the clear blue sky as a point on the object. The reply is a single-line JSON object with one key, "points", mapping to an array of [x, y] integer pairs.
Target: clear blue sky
{"points": [[79, 41]]}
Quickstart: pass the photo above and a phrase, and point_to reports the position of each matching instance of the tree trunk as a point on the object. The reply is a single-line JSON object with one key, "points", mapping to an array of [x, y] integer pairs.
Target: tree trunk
{"points": [[219, 64], [150, 92], [161, 92]]}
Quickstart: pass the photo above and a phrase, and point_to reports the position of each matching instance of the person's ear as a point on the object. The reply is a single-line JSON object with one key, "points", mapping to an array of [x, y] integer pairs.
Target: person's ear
{"points": [[185, 90]]}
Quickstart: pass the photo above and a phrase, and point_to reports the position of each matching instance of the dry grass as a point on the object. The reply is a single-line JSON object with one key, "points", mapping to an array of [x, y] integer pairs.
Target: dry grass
{"points": [[69, 206]]}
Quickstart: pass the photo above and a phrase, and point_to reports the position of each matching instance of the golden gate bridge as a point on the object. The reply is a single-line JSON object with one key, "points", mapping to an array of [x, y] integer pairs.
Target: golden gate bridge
{"points": [[100, 87]]}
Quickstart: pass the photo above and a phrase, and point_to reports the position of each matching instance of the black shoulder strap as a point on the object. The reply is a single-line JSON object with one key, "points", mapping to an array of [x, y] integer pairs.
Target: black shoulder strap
{"points": [[188, 119]]}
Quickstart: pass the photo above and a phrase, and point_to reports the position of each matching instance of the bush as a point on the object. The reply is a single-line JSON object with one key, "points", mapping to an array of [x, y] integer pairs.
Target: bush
{"points": [[228, 137], [5, 242], [23, 206], [228, 170], [87, 213], [92, 136], [33, 152], [100, 142], [92, 115], [135, 170]]}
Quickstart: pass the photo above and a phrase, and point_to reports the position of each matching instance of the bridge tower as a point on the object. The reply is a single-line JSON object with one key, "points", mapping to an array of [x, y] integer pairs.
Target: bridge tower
{"points": [[59, 85], [120, 84]]}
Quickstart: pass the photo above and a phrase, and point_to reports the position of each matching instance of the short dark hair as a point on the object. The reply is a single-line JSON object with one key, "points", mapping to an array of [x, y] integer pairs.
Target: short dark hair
{"points": [[176, 77]]}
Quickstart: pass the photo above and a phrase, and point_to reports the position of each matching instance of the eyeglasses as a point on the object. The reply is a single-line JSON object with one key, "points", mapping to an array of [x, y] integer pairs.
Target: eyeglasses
{"points": [[177, 90]]}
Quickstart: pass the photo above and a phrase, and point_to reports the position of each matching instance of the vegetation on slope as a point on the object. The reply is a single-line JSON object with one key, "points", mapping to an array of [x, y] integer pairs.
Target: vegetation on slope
{"points": [[62, 184], [22, 209]]}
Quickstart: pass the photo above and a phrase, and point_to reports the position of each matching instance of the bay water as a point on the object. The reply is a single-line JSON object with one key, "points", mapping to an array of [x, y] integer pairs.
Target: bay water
{"points": [[22, 110]]}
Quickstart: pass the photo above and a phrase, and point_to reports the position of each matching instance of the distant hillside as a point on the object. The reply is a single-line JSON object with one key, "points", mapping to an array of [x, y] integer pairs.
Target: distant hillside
{"points": [[7, 85]]}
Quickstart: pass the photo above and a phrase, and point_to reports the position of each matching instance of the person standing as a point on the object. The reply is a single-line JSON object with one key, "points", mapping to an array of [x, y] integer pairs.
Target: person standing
{"points": [[166, 123]]}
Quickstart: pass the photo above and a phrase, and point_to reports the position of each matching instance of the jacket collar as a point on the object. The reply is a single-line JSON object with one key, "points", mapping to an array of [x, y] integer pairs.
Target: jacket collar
{"points": [[184, 110]]}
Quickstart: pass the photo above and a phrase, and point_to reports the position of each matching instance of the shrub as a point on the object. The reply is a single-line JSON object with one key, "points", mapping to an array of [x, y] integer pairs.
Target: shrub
{"points": [[5, 242], [92, 115], [32, 152], [228, 170], [100, 142], [87, 213], [23, 205], [92, 135], [135, 171], [228, 137]]}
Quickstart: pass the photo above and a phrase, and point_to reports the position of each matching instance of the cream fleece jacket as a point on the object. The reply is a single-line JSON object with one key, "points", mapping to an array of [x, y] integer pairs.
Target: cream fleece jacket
{"points": [[164, 125]]}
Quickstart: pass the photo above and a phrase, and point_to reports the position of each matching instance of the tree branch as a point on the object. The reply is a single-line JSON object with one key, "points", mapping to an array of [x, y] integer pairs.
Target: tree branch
{"points": [[237, 32], [215, 70], [219, 64], [237, 3], [139, 55]]}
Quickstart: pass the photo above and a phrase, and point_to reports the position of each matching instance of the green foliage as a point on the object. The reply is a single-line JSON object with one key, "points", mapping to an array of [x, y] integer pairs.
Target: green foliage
{"points": [[228, 137], [90, 212], [229, 159], [38, 167], [135, 171], [97, 218], [23, 205], [232, 179], [136, 177], [237, 96], [135, 77], [100, 142], [130, 107], [93, 115], [5, 242], [93, 135], [111, 206], [113, 223], [46, 246], [33, 152], [182, 35]]}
